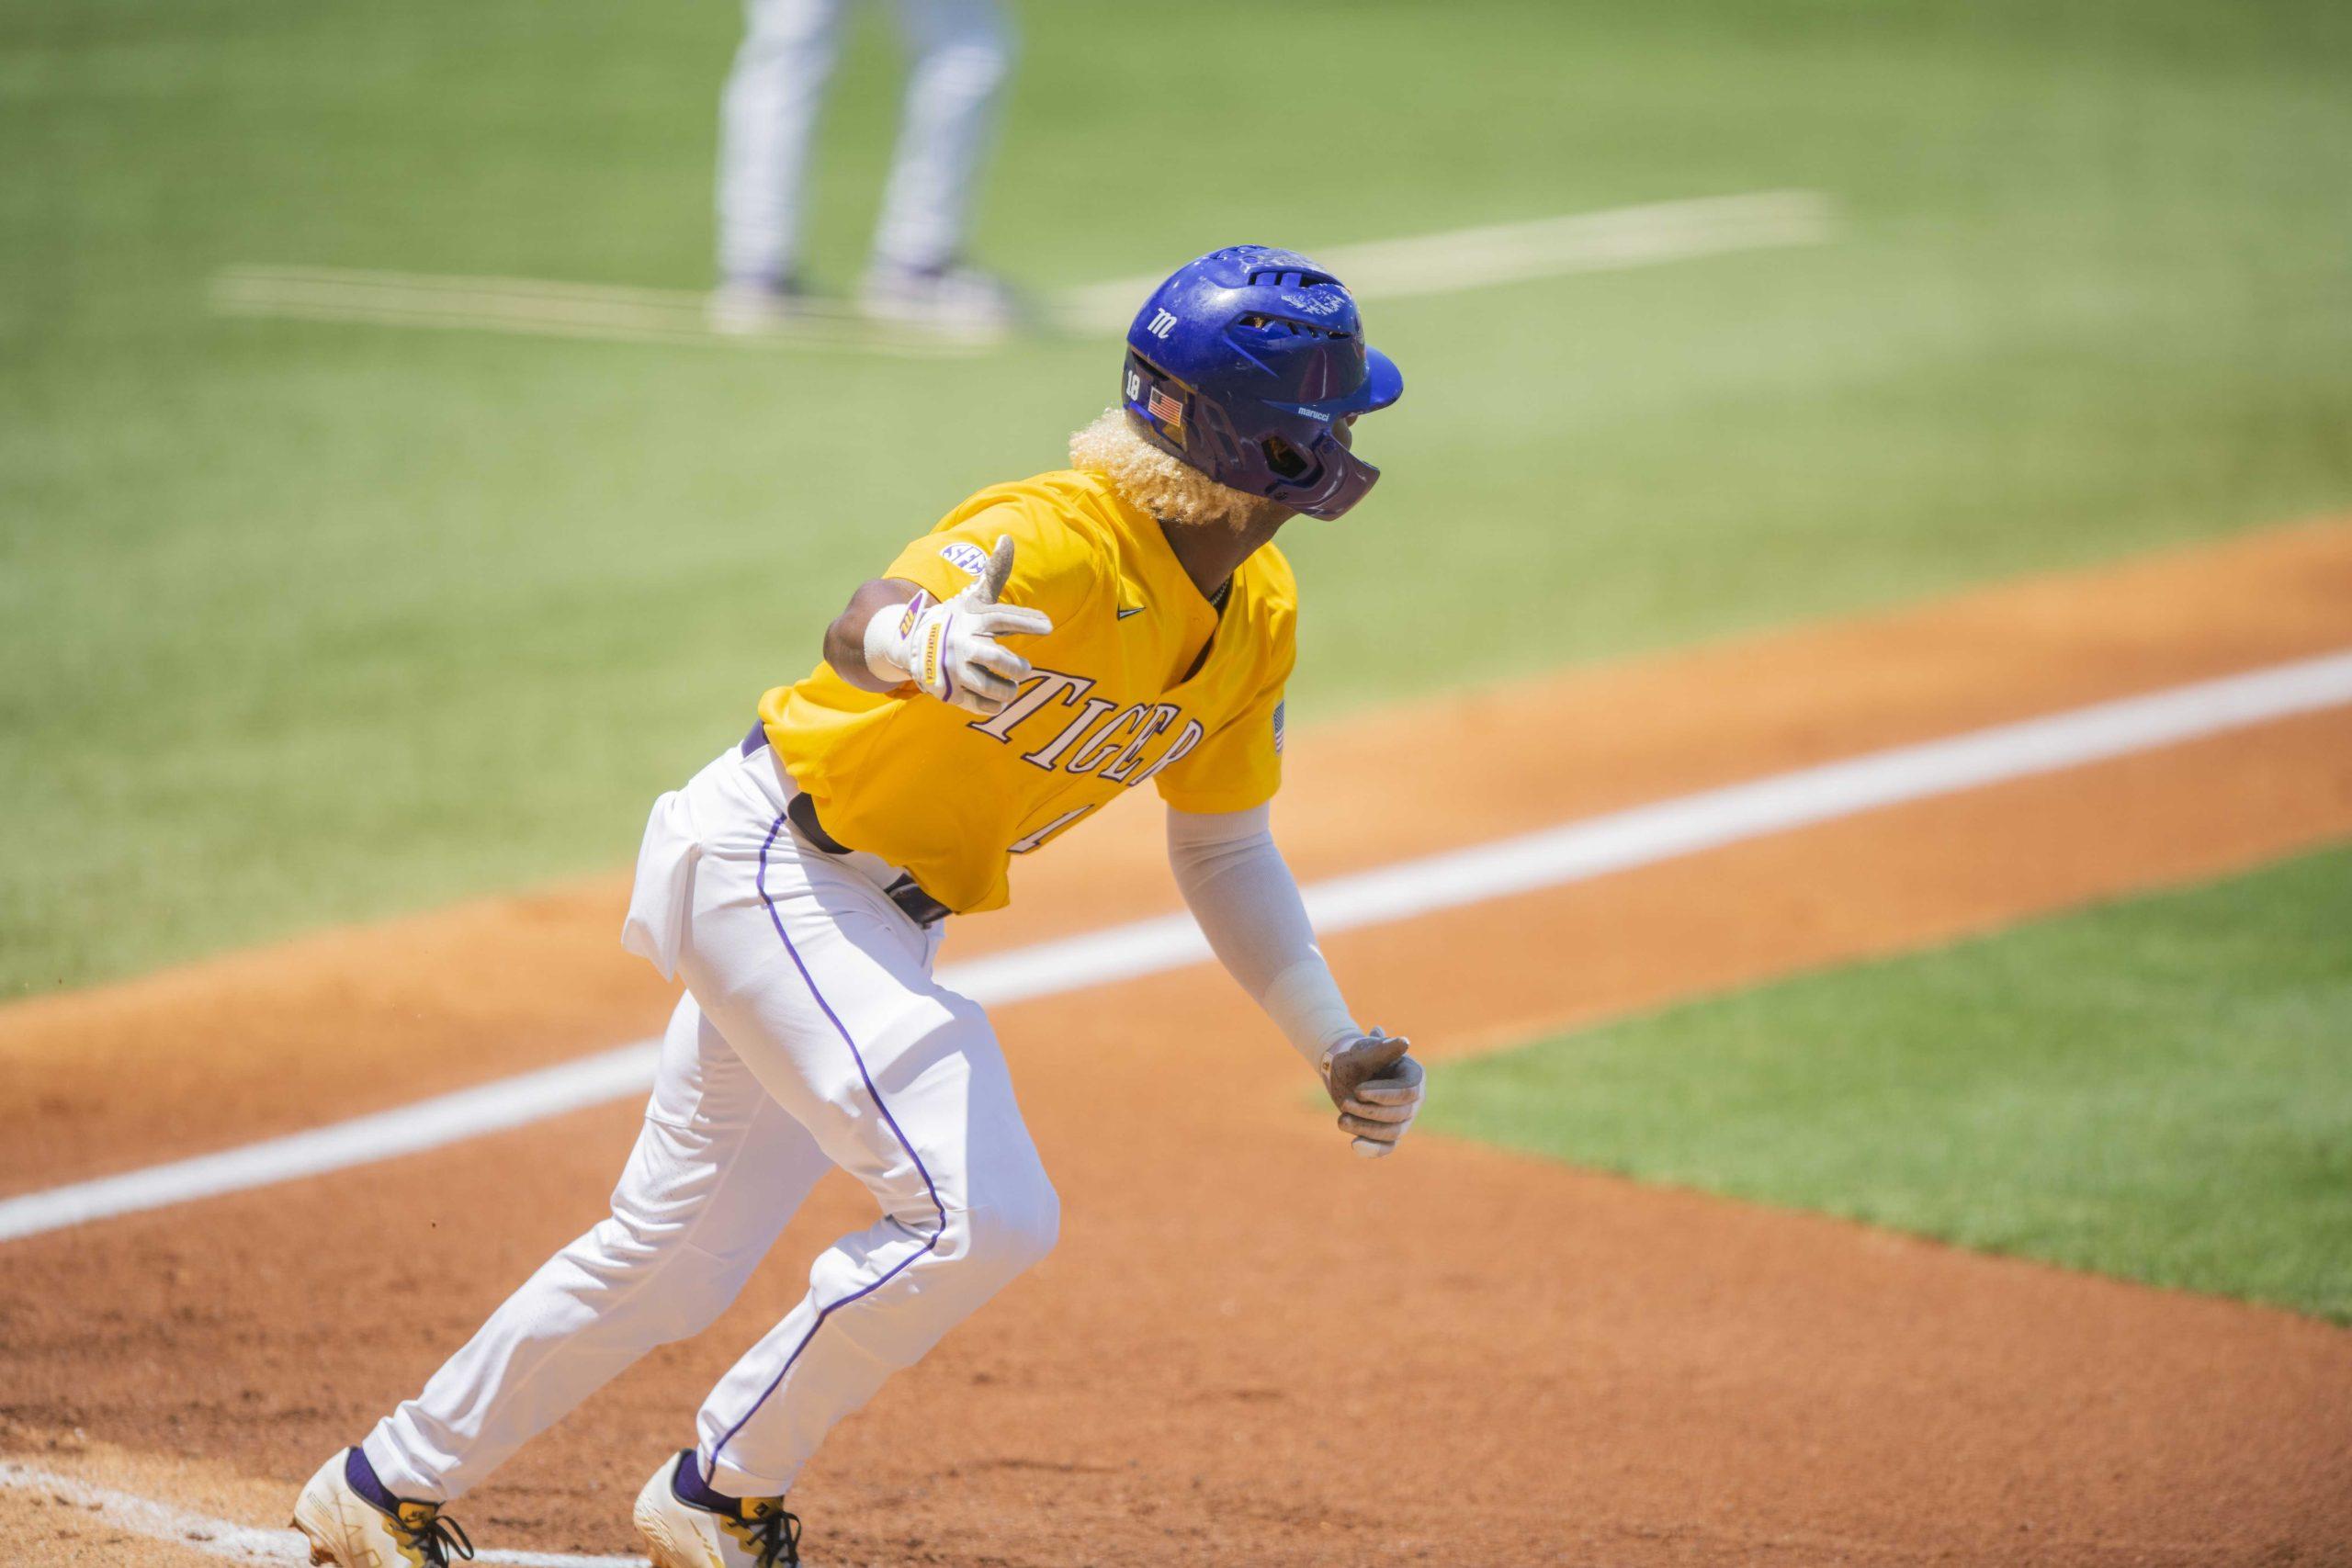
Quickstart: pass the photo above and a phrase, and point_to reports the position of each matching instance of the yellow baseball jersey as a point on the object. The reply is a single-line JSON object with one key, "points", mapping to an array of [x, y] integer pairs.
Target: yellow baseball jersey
{"points": [[1141, 678]]}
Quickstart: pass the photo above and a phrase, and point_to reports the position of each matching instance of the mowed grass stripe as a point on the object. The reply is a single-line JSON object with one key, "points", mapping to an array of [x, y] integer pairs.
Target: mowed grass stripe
{"points": [[2159, 1090], [314, 625]]}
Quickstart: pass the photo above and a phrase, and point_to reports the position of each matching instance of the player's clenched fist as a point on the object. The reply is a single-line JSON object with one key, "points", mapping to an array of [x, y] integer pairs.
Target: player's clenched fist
{"points": [[1377, 1088], [950, 647]]}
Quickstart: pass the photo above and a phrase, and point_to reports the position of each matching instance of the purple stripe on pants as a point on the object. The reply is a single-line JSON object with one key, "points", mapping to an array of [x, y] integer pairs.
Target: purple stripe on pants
{"points": [[940, 1209]]}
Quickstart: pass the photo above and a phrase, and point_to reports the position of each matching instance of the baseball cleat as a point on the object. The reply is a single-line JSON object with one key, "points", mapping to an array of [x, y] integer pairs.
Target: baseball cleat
{"points": [[351, 1521], [745, 307], [953, 299], [686, 1525]]}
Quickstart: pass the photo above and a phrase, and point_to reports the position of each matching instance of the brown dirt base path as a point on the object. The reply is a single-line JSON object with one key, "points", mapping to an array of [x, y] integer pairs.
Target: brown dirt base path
{"points": [[1252, 1348]]}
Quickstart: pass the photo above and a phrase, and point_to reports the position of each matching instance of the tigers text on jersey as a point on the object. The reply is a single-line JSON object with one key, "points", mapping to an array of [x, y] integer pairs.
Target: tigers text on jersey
{"points": [[1115, 699]]}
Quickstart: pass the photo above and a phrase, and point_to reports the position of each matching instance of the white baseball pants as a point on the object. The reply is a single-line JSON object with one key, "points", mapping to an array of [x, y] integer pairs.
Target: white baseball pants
{"points": [[812, 1035], [961, 52]]}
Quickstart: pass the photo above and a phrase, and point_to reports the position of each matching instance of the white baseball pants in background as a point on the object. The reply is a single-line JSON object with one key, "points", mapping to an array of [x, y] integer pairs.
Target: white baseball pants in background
{"points": [[960, 53], [812, 1035]]}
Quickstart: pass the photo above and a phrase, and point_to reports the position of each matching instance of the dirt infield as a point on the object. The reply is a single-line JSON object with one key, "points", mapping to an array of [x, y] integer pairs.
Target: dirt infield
{"points": [[1250, 1348]]}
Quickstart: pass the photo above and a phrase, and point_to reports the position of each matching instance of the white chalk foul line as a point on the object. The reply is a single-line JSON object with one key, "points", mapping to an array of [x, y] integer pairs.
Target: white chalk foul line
{"points": [[1572, 852], [1443, 262], [219, 1538], [383, 1134]]}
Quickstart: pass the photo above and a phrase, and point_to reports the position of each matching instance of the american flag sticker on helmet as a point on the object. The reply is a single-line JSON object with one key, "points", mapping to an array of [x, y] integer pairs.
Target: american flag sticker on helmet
{"points": [[1166, 410], [1278, 726]]}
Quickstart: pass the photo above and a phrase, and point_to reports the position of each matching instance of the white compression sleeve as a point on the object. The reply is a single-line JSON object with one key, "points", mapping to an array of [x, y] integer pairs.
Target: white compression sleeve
{"points": [[1246, 904]]}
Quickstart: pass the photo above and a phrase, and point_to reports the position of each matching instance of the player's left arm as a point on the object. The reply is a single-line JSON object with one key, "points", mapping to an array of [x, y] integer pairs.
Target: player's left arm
{"points": [[1246, 903]]}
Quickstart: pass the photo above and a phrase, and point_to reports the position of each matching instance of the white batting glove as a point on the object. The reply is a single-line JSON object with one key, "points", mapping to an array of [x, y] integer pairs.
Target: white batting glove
{"points": [[949, 646], [1377, 1088]]}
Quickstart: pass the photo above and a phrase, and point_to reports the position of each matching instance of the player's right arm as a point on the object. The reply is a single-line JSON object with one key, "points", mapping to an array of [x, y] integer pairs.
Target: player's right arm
{"points": [[895, 634], [845, 638], [1248, 904]]}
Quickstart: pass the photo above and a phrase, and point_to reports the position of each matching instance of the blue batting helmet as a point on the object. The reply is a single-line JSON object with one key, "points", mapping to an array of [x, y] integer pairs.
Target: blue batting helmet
{"points": [[1244, 363]]}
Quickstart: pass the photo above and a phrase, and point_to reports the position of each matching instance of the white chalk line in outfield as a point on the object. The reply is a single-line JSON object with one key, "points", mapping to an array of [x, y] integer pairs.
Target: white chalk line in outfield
{"points": [[1572, 852], [219, 1538], [1458, 260], [535, 308], [1445, 262]]}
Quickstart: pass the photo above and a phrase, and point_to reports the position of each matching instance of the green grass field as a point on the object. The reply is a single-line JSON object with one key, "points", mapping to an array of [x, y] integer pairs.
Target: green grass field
{"points": [[2160, 1088], [308, 622]]}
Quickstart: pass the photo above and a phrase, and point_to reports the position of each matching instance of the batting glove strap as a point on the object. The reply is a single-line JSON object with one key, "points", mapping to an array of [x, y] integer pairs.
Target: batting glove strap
{"points": [[949, 648]]}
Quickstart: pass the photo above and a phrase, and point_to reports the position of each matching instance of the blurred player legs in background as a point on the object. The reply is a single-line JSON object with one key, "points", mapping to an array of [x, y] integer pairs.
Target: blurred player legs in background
{"points": [[960, 53]]}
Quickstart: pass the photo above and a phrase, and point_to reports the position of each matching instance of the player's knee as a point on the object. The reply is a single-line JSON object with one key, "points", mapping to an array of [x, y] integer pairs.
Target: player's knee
{"points": [[967, 69], [635, 1239], [1033, 1225], [1009, 1230], [624, 1244], [993, 56], [627, 1242], [791, 29], [673, 1290]]}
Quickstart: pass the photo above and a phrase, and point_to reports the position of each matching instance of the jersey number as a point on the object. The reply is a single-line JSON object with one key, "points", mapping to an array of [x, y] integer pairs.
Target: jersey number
{"points": [[1023, 845]]}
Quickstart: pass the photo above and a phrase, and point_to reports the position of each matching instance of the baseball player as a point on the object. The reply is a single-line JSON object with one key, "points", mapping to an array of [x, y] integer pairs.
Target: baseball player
{"points": [[961, 53], [1053, 645]]}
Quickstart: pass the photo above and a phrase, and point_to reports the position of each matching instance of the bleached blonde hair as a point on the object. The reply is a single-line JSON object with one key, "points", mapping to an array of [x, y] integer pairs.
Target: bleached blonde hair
{"points": [[1163, 485]]}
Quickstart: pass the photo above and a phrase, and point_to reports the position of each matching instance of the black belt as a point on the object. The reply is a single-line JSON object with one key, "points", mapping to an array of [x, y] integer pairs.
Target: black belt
{"points": [[906, 893]]}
